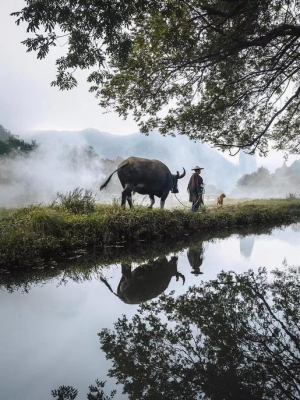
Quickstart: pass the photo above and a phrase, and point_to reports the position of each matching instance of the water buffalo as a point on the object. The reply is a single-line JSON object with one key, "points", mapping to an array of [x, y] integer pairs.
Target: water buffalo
{"points": [[145, 176], [147, 281]]}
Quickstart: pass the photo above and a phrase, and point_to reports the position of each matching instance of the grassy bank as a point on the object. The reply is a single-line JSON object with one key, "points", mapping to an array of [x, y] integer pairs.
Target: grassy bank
{"points": [[34, 235], [85, 266]]}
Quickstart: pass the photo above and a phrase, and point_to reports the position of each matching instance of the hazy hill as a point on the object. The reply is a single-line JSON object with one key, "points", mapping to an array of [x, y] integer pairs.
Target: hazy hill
{"points": [[4, 133], [176, 152], [295, 166]]}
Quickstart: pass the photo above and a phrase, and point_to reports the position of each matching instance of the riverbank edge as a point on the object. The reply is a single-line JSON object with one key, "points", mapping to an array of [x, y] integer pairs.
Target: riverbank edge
{"points": [[89, 264], [34, 235]]}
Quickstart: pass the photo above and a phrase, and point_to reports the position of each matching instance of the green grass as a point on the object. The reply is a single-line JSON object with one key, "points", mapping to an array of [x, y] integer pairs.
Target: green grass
{"points": [[34, 235], [86, 265]]}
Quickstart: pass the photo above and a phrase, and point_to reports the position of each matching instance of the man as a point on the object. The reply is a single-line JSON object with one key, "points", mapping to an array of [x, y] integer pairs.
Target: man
{"points": [[195, 188], [195, 255]]}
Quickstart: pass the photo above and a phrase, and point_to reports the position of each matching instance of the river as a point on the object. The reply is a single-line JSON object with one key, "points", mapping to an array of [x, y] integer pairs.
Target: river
{"points": [[48, 334]]}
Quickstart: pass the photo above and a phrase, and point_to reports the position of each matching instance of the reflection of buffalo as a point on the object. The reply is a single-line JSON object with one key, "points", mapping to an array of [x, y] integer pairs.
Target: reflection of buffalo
{"points": [[147, 281]]}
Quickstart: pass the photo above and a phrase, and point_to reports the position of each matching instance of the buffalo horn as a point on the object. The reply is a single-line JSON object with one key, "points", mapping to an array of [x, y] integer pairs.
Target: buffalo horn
{"points": [[181, 276], [181, 176]]}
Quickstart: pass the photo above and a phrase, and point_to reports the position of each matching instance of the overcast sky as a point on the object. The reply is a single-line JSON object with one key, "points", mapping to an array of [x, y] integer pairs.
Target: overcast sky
{"points": [[28, 102]]}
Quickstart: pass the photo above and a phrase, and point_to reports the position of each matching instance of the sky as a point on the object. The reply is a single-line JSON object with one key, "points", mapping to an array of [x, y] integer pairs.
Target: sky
{"points": [[28, 102]]}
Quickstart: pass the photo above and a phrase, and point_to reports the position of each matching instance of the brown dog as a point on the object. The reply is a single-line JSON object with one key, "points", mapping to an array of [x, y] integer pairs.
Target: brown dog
{"points": [[220, 200]]}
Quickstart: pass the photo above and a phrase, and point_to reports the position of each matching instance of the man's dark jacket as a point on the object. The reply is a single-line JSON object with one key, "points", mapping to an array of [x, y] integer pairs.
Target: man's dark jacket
{"points": [[195, 187]]}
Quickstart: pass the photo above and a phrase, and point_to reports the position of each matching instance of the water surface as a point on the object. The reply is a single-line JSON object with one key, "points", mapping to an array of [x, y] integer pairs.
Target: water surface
{"points": [[48, 334]]}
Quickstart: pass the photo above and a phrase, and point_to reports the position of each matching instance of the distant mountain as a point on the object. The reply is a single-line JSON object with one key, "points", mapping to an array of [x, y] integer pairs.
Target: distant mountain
{"points": [[247, 163], [295, 166], [176, 152]]}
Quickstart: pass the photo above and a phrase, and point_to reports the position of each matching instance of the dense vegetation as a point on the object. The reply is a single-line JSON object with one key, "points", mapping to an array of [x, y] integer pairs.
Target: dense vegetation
{"points": [[262, 183], [10, 143], [36, 234], [226, 71]]}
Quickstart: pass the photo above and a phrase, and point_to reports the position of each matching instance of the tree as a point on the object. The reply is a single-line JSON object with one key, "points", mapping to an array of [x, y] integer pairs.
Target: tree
{"points": [[4, 133], [284, 181], [258, 179], [237, 337], [96, 392], [223, 71], [9, 143]]}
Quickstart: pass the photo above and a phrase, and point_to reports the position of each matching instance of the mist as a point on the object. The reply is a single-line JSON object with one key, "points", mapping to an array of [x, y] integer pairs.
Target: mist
{"points": [[53, 167], [284, 182], [64, 161]]}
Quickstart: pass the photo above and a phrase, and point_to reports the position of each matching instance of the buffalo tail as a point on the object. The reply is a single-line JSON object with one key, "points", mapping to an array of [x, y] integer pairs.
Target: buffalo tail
{"points": [[109, 178]]}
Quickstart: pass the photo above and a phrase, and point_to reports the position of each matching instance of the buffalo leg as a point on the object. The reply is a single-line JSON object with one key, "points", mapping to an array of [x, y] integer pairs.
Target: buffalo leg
{"points": [[126, 270], [163, 199], [129, 199], [125, 194], [152, 200]]}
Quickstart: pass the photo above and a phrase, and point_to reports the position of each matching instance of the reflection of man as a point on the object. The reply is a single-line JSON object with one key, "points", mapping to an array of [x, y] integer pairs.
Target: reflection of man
{"points": [[195, 188], [195, 256]]}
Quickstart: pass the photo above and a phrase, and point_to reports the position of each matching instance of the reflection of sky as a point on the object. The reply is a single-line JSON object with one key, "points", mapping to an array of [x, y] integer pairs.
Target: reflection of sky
{"points": [[48, 337]]}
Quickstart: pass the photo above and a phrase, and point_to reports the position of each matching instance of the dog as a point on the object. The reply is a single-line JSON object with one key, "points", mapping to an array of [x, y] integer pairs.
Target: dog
{"points": [[220, 200]]}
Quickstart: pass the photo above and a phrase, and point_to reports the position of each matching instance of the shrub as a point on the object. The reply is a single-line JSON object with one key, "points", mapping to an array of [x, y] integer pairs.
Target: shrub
{"points": [[77, 201], [47, 222], [291, 196]]}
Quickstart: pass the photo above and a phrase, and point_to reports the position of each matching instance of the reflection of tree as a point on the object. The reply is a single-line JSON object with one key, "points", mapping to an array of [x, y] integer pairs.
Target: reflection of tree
{"points": [[296, 227], [195, 255], [234, 338]]}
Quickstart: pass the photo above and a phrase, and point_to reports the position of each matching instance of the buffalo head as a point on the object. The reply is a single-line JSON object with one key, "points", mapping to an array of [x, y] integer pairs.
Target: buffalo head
{"points": [[175, 181]]}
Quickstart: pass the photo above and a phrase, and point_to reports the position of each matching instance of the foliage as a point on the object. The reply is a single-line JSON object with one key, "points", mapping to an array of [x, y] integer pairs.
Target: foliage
{"points": [[262, 182], [77, 201], [96, 392], [261, 177], [65, 393], [236, 337], [10, 143], [225, 72], [4, 133]]}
